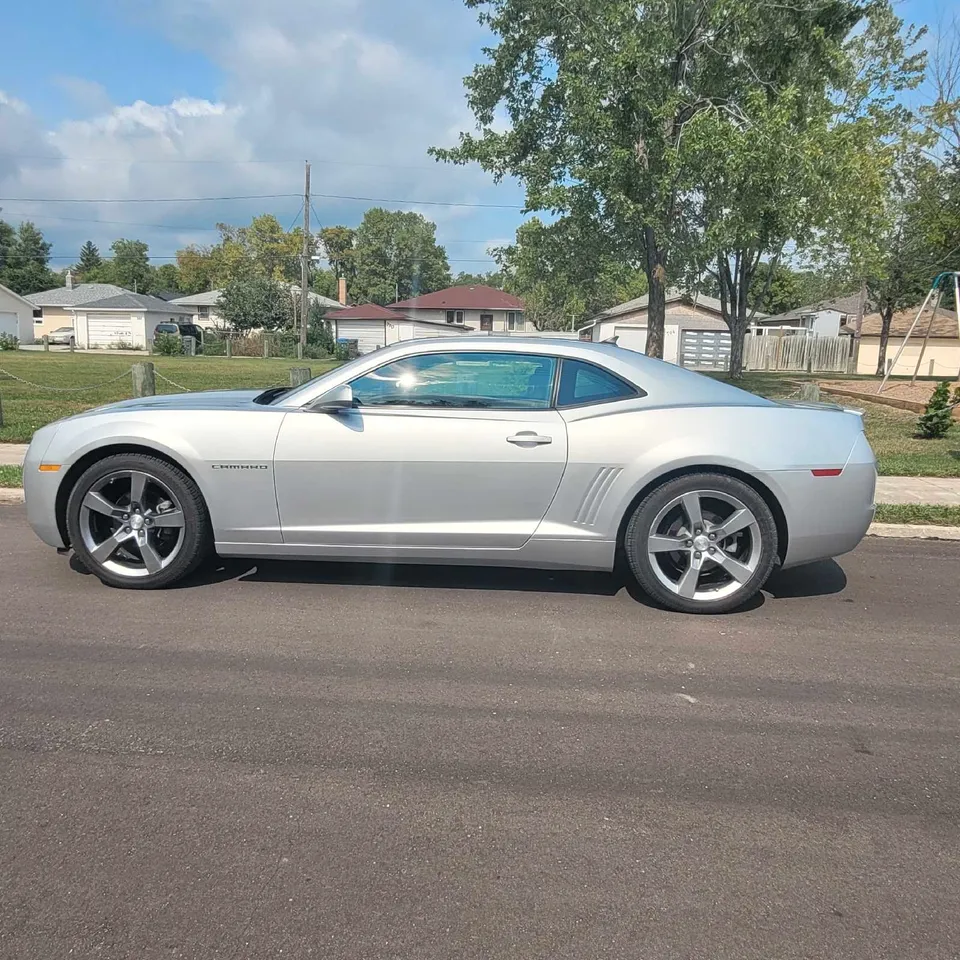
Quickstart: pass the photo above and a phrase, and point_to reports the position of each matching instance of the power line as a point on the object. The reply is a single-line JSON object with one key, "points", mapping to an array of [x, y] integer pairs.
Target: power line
{"points": [[257, 196], [179, 160], [264, 196], [171, 256], [422, 203]]}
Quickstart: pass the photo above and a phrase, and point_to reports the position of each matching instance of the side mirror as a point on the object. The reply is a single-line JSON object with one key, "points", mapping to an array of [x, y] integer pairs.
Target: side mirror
{"points": [[337, 400]]}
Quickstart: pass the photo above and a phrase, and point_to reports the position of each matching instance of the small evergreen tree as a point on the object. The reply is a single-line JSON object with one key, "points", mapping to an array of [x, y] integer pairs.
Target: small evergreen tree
{"points": [[938, 417]]}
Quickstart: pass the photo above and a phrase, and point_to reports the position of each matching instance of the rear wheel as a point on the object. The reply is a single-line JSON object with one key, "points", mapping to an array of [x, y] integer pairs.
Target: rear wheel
{"points": [[702, 543], [138, 522]]}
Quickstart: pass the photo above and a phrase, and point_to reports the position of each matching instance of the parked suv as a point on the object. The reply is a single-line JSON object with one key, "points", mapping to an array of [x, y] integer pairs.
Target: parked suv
{"points": [[183, 330]]}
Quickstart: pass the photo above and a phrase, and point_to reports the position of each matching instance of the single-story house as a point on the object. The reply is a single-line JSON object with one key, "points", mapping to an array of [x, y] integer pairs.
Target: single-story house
{"points": [[202, 307], [824, 319], [373, 326], [695, 334], [16, 315], [52, 307], [126, 318], [941, 358], [484, 308]]}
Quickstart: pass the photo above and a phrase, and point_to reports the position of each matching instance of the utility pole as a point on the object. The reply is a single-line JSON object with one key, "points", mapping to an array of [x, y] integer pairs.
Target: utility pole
{"points": [[305, 264]]}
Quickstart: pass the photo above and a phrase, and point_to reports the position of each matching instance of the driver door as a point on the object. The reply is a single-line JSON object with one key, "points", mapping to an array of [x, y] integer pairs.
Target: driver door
{"points": [[441, 450]]}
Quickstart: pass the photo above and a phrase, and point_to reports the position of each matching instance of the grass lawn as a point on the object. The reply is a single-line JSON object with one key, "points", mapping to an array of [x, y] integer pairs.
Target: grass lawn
{"points": [[11, 476], [891, 432], [27, 408], [917, 513]]}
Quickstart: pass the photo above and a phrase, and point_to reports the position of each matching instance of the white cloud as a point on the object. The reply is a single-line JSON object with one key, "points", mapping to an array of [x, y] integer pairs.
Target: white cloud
{"points": [[362, 88]]}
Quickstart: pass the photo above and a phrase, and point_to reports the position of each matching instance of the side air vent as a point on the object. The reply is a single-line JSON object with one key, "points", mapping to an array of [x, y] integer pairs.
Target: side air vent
{"points": [[596, 494]]}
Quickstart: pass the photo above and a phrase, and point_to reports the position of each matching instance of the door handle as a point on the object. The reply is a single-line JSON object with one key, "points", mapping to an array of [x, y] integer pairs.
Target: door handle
{"points": [[534, 439]]}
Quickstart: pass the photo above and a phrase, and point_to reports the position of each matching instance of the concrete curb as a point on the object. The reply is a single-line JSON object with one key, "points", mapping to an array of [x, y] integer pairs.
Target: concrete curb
{"points": [[901, 531], [913, 531]]}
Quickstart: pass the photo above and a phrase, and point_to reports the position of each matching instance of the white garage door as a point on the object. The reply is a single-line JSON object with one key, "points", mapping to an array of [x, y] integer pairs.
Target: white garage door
{"points": [[369, 334], [10, 324], [108, 329], [705, 350], [631, 338]]}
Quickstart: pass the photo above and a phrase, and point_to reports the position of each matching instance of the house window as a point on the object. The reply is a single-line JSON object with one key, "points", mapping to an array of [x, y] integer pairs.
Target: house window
{"points": [[514, 320], [486, 322], [454, 316], [203, 313]]}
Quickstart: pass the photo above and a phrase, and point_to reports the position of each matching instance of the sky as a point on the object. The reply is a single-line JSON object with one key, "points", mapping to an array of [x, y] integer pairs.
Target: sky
{"points": [[130, 99]]}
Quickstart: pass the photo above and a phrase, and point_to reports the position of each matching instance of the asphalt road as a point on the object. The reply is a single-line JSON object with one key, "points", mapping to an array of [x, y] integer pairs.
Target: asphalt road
{"points": [[311, 760]]}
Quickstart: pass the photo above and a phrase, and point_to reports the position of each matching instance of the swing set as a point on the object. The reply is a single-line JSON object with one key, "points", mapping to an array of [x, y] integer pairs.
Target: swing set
{"points": [[937, 290]]}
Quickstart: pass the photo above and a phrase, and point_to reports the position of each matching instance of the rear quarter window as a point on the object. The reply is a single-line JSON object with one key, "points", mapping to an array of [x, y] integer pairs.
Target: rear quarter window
{"points": [[584, 383]]}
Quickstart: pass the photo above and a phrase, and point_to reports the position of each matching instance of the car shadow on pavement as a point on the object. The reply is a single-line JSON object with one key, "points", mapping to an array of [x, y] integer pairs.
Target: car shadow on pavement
{"points": [[813, 580]]}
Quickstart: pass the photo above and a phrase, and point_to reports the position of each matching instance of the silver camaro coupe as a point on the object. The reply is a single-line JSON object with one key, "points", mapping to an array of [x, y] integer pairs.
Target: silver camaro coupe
{"points": [[477, 450]]}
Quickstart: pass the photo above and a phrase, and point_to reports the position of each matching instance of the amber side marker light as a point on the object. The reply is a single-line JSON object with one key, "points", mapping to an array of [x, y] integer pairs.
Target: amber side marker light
{"points": [[826, 473], [49, 467]]}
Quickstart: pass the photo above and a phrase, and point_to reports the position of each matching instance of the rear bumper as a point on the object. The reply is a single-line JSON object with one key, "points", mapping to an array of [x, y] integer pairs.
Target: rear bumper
{"points": [[829, 516]]}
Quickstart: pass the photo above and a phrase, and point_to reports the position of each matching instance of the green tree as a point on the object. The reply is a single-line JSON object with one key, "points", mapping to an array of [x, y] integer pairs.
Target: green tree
{"points": [[263, 247], [564, 274], [397, 257], [166, 277], [90, 260], [24, 258], [937, 419], [197, 269], [130, 266], [620, 113], [808, 158], [494, 279], [248, 303], [339, 247]]}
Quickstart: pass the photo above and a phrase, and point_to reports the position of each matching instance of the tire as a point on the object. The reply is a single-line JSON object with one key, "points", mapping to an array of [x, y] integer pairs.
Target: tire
{"points": [[138, 545], [705, 572]]}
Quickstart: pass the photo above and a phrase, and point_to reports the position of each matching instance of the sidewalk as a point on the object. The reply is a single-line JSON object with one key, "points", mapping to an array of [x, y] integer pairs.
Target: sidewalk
{"points": [[939, 491], [12, 454]]}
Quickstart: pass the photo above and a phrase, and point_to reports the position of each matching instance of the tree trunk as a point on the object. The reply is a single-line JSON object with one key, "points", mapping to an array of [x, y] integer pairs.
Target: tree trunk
{"points": [[886, 316], [657, 296]]}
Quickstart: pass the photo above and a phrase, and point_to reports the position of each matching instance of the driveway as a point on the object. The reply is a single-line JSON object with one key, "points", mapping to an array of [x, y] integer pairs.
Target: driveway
{"points": [[341, 762]]}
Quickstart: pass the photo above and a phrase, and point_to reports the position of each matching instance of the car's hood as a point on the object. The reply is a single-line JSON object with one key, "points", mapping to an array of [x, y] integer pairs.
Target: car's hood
{"points": [[203, 400]]}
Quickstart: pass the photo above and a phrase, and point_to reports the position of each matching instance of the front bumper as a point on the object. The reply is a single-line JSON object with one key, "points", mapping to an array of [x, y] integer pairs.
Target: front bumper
{"points": [[40, 489]]}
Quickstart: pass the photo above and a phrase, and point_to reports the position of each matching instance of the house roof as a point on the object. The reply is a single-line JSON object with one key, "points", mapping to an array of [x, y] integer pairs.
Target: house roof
{"points": [[16, 296], [944, 325], [367, 311], [129, 301], [849, 304], [475, 297], [373, 311], [81, 293], [699, 300], [210, 298]]}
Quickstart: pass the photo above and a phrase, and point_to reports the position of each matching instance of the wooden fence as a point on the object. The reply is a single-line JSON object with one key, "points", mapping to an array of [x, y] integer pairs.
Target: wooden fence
{"points": [[798, 354]]}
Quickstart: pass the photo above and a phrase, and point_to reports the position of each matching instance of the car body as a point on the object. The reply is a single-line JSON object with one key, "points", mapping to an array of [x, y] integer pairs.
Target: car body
{"points": [[170, 329], [63, 335], [521, 452]]}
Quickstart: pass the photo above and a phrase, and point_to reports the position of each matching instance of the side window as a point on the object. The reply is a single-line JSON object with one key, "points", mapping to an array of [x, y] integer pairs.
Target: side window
{"points": [[582, 383], [462, 380]]}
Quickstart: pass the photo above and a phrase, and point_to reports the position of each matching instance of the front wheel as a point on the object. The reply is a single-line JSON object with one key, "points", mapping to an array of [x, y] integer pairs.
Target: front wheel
{"points": [[702, 543], [138, 522]]}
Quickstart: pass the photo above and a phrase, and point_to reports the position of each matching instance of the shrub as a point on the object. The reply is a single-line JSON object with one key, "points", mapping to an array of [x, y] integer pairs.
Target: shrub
{"points": [[124, 345], [937, 419], [8, 341], [167, 345]]}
